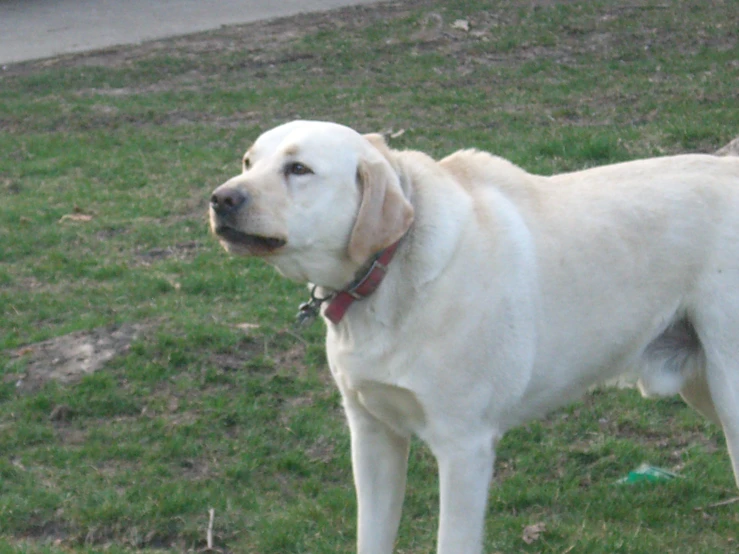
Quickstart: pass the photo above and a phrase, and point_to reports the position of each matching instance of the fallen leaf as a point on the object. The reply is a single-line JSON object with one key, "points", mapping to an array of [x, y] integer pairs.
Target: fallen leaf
{"points": [[75, 217], [461, 24], [531, 533], [247, 326]]}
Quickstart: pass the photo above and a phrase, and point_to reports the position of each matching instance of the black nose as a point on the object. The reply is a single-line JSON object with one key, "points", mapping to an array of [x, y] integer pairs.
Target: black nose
{"points": [[227, 200]]}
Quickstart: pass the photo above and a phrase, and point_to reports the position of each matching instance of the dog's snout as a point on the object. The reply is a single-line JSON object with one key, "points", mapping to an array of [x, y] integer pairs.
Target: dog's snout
{"points": [[227, 200]]}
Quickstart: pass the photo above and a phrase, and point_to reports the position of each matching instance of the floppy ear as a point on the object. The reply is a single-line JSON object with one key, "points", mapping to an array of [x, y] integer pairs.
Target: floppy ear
{"points": [[384, 213]]}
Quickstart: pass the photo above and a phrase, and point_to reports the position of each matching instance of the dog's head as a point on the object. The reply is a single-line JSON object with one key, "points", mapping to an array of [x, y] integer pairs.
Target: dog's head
{"points": [[315, 199]]}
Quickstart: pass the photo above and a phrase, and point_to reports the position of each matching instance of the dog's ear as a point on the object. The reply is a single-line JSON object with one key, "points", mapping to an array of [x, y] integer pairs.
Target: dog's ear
{"points": [[384, 213]]}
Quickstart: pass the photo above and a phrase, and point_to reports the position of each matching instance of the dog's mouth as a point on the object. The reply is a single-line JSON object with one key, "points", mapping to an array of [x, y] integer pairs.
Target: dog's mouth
{"points": [[255, 244]]}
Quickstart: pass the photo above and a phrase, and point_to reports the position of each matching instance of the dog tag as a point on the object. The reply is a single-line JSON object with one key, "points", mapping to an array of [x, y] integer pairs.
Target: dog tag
{"points": [[307, 313]]}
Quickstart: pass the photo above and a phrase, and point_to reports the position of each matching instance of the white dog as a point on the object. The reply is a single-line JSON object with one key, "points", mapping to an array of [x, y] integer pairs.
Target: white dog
{"points": [[466, 296]]}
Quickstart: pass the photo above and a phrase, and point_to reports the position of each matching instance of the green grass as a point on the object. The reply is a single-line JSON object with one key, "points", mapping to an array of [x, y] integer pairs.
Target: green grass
{"points": [[200, 413]]}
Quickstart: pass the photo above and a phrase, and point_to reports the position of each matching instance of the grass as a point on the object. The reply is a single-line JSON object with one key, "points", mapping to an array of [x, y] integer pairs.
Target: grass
{"points": [[220, 403]]}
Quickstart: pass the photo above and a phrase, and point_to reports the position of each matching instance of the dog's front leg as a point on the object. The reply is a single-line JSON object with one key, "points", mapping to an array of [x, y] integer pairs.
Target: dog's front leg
{"points": [[465, 472], [379, 462]]}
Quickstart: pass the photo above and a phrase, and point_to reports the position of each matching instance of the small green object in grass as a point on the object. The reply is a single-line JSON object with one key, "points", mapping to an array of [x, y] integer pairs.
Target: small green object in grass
{"points": [[646, 474]]}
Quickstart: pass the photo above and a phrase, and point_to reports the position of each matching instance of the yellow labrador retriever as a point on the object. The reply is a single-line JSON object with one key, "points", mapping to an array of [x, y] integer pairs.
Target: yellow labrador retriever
{"points": [[465, 296]]}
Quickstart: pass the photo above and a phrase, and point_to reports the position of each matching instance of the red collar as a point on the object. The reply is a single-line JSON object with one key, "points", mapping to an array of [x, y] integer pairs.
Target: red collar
{"points": [[362, 287]]}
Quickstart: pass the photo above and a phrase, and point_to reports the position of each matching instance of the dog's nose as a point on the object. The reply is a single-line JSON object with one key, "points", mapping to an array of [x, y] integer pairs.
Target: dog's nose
{"points": [[227, 200]]}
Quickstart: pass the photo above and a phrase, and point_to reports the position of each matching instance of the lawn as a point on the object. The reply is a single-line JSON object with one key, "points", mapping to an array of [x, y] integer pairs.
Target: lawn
{"points": [[208, 396]]}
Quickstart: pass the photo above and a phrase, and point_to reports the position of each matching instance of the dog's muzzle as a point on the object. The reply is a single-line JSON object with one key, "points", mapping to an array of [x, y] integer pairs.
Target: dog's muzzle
{"points": [[227, 201], [226, 204]]}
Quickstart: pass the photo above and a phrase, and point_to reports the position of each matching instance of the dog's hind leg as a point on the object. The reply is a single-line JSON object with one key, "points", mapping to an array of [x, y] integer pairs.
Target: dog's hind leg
{"points": [[723, 382], [718, 330], [697, 394]]}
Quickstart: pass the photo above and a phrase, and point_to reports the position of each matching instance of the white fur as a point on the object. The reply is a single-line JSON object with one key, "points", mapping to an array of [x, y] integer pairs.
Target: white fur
{"points": [[510, 295]]}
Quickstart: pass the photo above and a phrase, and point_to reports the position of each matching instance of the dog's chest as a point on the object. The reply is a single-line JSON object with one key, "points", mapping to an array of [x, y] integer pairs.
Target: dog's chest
{"points": [[397, 407], [377, 388]]}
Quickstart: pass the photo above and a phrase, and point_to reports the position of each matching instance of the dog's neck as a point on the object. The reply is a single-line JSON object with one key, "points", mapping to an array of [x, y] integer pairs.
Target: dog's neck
{"points": [[338, 302], [371, 274], [362, 287], [366, 280]]}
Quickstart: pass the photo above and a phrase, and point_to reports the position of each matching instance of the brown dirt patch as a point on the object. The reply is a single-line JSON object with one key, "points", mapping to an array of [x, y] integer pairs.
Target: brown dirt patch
{"points": [[181, 251], [68, 358]]}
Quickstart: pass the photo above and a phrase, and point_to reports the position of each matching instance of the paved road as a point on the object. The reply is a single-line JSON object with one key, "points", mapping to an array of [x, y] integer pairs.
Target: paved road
{"points": [[34, 29]]}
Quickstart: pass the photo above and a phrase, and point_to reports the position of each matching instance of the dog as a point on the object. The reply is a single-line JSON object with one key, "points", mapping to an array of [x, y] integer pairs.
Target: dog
{"points": [[465, 296]]}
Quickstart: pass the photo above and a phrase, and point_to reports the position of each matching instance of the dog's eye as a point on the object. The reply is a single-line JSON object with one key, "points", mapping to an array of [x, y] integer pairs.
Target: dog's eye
{"points": [[296, 168], [247, 164]]}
